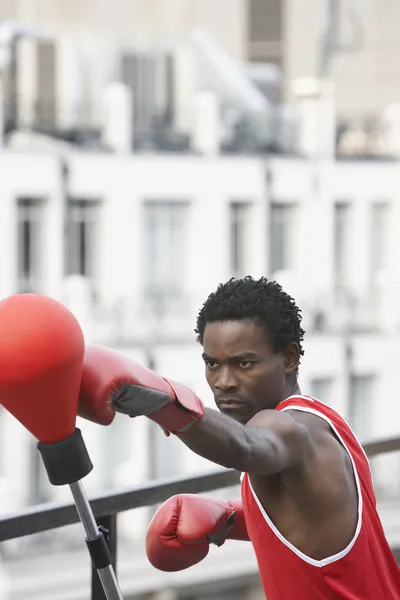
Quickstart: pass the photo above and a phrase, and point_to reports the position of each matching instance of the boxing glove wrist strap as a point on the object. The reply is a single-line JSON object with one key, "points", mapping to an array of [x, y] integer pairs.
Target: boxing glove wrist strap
{"points": [[175, 408]]}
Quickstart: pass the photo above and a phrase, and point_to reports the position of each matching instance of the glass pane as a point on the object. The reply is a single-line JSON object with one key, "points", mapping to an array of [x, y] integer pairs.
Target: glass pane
{"points": [[238, 233], [360, 410], [81, 238], [282, 236], [165, 230], [379, 232], [342, 245], [29, 231]]}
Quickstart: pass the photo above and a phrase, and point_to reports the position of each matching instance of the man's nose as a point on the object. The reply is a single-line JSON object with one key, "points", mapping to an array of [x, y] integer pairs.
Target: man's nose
{"points": [[226, 380]]}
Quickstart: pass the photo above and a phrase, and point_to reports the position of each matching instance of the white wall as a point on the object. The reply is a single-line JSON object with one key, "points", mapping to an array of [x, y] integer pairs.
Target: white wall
{"points": [[122, 184]]}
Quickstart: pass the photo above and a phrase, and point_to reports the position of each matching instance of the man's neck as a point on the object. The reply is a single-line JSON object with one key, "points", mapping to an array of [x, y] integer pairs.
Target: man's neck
{"points": [[293, 389]]}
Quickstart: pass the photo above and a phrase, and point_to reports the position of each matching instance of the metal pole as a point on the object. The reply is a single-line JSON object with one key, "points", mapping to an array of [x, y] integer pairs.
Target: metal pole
{"points": [[106, 574], [108, 525]]}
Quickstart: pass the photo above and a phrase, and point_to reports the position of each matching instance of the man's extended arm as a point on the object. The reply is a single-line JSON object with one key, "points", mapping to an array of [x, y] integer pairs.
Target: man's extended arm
{"points": [[271, 442]]}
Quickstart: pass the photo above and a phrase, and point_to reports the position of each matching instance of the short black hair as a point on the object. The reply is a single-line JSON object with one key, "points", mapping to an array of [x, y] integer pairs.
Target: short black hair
{"points": [[258, 300]]}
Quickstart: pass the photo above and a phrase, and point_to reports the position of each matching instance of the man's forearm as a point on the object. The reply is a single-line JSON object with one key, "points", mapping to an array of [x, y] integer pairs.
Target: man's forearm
{"points": [[269, 445], [219, 439]]}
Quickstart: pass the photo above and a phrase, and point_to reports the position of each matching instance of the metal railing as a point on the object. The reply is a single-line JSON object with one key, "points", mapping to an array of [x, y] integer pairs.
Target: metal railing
{"points": [[107, 506]]}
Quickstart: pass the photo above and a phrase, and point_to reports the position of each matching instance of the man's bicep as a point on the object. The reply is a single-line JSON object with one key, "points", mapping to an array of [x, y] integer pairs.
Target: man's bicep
{"points": [[280, 442]]}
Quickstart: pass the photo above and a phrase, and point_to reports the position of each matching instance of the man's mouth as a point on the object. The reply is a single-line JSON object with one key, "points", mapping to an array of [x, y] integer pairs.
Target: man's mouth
{"points": [[227, 404]]}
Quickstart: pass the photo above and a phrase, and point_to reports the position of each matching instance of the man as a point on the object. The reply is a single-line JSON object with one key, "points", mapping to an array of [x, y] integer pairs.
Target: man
{"points": [[308, 505]]}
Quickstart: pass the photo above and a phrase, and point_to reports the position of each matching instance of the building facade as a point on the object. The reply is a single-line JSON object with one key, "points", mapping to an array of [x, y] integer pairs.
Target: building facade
{"points": [[165, 51], [134, 244], [149, 152]]}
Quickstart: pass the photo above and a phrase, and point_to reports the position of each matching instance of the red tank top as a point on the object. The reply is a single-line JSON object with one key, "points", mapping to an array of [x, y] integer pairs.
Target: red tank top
{"points": [[365, 570]]}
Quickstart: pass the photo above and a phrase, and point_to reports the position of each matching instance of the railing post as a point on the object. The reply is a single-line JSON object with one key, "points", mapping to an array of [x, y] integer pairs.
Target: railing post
{"points": [[109, 525]]}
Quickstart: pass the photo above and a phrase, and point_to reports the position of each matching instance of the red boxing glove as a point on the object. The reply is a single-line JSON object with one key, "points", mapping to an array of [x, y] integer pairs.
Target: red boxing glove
{"points": [[180, 533], [94, 396], [112, 382]]}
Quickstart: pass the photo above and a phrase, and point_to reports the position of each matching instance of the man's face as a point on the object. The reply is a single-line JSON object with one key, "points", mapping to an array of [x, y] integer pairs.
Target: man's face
{"points": [[243, 372]]}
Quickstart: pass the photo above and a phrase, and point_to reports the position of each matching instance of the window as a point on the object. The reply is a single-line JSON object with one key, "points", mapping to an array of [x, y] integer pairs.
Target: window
{"points": [[239, 224], [151, 78], [362, 391], [282, 236], [30, 226], [322, 389], [379, 232], [46, 84], [164, 252], [265, 19], [10, 72], [81, 239], [342, 243]]}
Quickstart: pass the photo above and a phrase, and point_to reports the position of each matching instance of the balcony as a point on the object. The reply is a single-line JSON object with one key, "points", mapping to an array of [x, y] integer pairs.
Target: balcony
{"points": [[68, 572]]}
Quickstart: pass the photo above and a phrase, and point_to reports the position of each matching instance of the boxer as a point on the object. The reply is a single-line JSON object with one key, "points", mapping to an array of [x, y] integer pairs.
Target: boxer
{"points": [[307, 499]]}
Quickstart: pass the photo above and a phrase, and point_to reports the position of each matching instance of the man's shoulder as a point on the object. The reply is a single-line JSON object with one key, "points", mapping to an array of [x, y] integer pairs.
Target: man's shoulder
{"points": [[322, 437], [313, 422], [273, 419], [289, 418], [314, 414], [293, 433], [306, 433]]}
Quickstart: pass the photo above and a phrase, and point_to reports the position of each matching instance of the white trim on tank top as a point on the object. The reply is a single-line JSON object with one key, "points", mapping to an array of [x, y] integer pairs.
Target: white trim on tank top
{"points": [[304, 557], [311, 399]]}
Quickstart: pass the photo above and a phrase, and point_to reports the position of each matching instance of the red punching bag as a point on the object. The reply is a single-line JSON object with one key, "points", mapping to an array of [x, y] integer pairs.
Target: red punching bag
{"points": [[41, 358]]}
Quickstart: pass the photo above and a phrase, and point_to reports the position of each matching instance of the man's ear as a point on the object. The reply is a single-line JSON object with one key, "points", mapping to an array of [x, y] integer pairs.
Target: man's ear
{"points": [[292, 357]]}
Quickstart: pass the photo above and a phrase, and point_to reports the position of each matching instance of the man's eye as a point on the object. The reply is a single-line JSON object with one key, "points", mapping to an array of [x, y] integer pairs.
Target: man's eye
{"points": [[245, 364], [211, 365]]}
